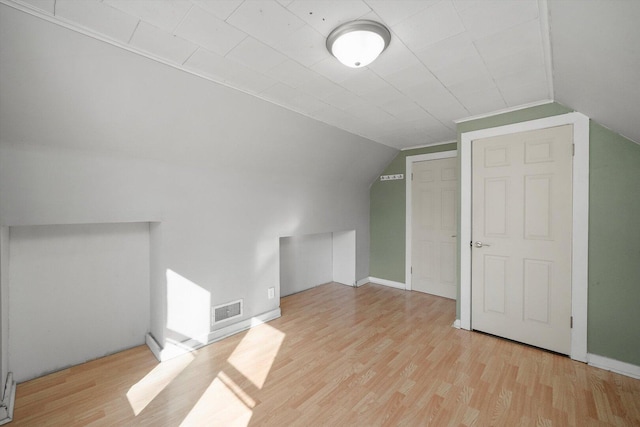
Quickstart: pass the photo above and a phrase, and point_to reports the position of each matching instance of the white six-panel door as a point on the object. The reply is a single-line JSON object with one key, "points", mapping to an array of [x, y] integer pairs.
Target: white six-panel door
{"points": [[434, 190], [521, 236]]}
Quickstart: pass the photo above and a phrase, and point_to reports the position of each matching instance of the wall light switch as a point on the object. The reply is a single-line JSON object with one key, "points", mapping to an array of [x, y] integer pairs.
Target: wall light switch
{"points": [[272, 293]]}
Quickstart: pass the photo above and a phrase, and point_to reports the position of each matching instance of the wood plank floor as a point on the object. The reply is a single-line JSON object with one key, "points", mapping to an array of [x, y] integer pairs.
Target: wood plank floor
{"points": [[339, 356]]}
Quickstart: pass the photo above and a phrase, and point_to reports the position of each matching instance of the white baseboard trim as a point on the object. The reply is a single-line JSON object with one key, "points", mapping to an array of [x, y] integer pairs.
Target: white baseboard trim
{"points": [[363, 281], [345, 284], [386, 282], [613, 365], [8, 400], [456, 324], [175, 349]]}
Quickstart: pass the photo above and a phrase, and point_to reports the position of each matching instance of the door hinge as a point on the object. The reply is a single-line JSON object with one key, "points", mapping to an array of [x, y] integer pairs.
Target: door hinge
{"points": [[411, 176], [571, 322], [573, 149], [411, 269]]}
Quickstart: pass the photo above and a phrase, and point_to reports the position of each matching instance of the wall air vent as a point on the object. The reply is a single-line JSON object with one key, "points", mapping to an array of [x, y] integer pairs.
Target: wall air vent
{"points": [[227, 311]]}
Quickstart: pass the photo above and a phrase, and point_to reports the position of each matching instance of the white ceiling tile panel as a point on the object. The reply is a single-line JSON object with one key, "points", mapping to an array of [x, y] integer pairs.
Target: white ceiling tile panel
{"points": [[441, 134], [516, 79], [403, 112], [365, 81], [256, 55], [267, 21], [399, 106], [448, 52], [430, 26], [293, 98], [408, 78], [516, 63], [343, 99], [425, 123], [395, 58], [98, 17], [291, 73], [479, 101], [304, 45], [508, 42], [394, 12], [384, 94], [341, 119], [371, 114], [462, 5], [249, 80], [511, 84], [43, 5], [417, 114], [429, 96], [445, 108], [224, 70], [165, 14], [325, 15], [319, 87], [350, 124], [526, 93], [489, 17], [206, 30], [474, 83], [470, 68], [447, 59], [162, 43], [209, 64], [332, 69], [285, 3], [221, 9]]}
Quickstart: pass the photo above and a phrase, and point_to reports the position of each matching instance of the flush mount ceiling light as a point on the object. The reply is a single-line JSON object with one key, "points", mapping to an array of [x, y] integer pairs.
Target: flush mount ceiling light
{"points": [[358, 43]]}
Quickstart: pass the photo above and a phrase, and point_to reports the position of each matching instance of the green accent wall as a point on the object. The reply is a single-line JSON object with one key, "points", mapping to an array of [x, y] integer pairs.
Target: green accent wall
{"points": [[614, 246], [524, 115], [388, 218], [533, 113], [614, 231]]}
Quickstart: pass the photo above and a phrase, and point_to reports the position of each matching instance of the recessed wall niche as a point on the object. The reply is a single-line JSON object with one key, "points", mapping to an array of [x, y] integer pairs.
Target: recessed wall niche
{"points": [[76, 293], [310, 260]]}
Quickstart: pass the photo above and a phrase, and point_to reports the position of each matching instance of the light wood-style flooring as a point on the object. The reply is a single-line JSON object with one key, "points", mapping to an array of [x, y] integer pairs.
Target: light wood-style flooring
{"points": [[339, 356]]}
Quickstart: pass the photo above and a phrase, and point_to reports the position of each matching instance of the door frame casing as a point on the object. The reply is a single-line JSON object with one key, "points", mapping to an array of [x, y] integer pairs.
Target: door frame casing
{"points": [[580, 220], [410, 160]]}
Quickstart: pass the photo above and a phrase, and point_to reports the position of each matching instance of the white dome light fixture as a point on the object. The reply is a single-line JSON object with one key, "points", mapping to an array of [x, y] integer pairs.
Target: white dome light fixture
{"points": [[358, 43]]}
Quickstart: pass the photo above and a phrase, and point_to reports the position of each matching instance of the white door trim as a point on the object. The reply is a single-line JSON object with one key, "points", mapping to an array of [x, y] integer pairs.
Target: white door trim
{"points": [[410, 160], [580, 239]]}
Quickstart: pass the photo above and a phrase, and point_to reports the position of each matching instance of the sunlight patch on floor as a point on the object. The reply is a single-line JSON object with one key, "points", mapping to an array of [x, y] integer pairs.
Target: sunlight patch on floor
{"points": [[144, 391], [219, 404], [256, 352]]}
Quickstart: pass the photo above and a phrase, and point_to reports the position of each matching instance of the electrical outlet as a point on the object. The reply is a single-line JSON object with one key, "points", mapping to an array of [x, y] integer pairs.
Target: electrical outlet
{"points": [[272, 293]]}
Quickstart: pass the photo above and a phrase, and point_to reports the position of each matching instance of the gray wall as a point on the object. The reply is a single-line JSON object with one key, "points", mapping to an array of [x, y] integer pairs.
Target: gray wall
{"points": [[90, 133]]}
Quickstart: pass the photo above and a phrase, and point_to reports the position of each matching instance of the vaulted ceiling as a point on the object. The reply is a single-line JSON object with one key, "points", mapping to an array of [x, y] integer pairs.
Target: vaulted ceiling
{"points": [[448, 59]]}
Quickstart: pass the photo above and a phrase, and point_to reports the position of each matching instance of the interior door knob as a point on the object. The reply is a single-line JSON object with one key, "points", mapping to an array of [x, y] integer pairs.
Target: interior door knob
{"points": [[479, 244]]}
